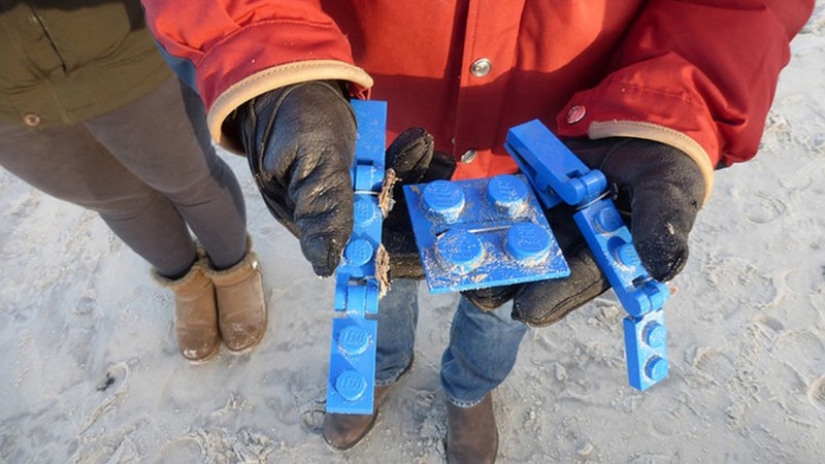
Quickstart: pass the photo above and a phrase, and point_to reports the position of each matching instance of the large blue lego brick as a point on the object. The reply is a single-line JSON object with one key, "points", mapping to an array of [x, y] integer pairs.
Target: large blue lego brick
{"points": [[645, 339], [482, 233], [351, 377]]}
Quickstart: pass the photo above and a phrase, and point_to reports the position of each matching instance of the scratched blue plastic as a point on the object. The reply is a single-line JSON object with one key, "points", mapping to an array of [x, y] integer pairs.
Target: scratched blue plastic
{"points": [[482, 233], [351, 379], [554, 172]]}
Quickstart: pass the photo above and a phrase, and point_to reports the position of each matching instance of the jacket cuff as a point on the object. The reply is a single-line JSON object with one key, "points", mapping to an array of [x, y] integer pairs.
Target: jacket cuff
{"points": [[271, 79], [662, 134]]}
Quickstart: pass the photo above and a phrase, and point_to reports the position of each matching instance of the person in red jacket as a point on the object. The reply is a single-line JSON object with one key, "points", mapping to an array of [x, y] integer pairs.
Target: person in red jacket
{"points": [[657, 94]]}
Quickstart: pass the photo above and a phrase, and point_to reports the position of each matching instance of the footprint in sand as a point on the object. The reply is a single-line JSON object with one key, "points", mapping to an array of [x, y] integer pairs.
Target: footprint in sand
{"points": [[312, 412], [110, 385], [761, 209], [805, 281], [713, 365], [179, 449], [743, 283]]}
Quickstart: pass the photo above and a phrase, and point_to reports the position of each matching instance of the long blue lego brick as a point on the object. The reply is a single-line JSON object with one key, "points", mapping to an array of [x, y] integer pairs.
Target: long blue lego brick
{"points": [[554, 171], [351, 378], [482, 233], [642, 297]]}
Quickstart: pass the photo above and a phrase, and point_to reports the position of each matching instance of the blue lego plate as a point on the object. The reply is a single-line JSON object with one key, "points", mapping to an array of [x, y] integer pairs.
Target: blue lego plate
{"points": [[482, 233]]}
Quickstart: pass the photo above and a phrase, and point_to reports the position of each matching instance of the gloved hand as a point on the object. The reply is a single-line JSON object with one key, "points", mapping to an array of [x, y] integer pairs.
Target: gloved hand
{"points": [[659, 191], [413, 160], [300, 142]]}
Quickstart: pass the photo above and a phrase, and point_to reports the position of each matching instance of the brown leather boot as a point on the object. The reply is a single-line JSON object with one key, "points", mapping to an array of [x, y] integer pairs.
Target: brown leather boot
{"points": [[343, 431], [472, 437], [196, 317], [242, 313]]}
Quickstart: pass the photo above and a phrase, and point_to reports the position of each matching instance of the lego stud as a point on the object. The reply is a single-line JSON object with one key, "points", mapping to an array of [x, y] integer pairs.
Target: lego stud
{"points": [[656, 368], [625, 254], [351, 385], [528, 243], [358, 252], [365, 211], [353, 340], [655, 334], [608, 221], [443, 199], [508, 193], [460, 250]]}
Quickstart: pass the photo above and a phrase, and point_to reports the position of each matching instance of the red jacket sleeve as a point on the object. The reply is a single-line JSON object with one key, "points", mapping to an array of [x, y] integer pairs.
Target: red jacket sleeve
{"points": [[227, 41], [702, 69], [242, 48]]}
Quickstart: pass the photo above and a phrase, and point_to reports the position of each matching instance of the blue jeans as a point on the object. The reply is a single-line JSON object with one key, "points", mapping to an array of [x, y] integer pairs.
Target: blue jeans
{"points": [[482, 350]]}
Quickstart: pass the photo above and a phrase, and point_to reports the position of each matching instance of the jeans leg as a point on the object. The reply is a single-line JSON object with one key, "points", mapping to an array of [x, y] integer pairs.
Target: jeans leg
{"points": [[397, 319], [482, 352]]}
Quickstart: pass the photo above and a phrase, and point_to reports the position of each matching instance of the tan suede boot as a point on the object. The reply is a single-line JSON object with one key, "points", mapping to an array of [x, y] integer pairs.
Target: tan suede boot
{"points": [[241, 307], [196, 317], [472, 437]]}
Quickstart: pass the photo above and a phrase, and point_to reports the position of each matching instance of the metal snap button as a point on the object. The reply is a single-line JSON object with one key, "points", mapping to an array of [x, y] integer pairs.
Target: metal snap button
{"points": [[576, 113], [31, 119], [469, 156], [481, 67]]}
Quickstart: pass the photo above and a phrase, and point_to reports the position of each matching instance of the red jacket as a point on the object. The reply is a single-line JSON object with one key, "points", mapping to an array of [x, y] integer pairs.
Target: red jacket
{"points": [[699, 75]]}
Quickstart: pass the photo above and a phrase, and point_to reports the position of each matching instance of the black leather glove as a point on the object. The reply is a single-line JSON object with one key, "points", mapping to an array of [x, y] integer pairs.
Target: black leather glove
{"points": [[413, 161], [659, 191], [300, 142]]}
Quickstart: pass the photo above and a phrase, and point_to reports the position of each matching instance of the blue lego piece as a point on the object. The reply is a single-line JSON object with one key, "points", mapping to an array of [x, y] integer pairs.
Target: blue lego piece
{"points": [[610, 241], [351, 379], [555, 178], [645, 340], [554, 172], [482, 233]]}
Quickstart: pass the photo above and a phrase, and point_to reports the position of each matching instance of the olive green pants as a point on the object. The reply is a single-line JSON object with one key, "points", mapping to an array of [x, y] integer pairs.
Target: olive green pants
{"points": [[149, 170]]}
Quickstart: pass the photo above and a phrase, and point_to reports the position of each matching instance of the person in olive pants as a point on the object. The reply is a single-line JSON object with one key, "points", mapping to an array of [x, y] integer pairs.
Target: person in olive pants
{"points": [[99, 120]]}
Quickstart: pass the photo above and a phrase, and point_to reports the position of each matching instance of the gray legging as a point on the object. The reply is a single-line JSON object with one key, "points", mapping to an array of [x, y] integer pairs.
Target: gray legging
{"points": [[148, 169]]}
